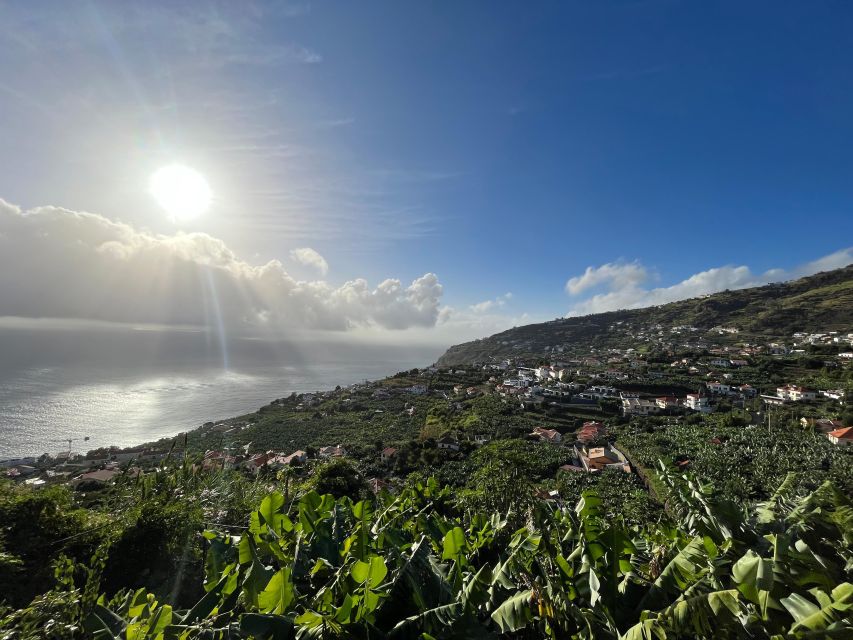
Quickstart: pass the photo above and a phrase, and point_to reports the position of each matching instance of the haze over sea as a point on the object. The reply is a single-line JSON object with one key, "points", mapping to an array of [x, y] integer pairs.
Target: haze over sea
{"points": [[124, 387]]}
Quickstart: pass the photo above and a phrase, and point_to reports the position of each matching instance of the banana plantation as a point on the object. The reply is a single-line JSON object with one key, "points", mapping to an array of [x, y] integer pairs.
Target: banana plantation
{"points": [[416, 565]]}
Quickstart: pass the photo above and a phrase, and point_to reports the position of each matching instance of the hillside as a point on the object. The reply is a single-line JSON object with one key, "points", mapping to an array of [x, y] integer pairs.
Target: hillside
{"points": [[822, 302]]}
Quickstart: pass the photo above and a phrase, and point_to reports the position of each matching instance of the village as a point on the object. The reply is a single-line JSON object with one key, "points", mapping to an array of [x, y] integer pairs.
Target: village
{"points": [[709, 373]]}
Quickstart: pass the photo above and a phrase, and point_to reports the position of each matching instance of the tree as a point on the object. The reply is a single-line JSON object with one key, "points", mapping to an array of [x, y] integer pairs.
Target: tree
{"points": [[339, 478]]}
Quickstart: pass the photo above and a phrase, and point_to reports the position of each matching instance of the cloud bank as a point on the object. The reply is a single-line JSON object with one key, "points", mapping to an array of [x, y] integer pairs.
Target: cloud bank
{"points": [[625, 285], [59, 263]]}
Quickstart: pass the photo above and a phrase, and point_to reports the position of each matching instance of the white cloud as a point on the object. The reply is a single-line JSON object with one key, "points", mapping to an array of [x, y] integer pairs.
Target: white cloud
{"points": [[310, 258], [489, 305], [625, 290], [59, 263], [617, 275]]}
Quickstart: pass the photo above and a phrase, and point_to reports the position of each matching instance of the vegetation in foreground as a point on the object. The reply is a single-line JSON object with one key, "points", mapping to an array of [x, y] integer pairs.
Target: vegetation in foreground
{"points": [[424, 564]]}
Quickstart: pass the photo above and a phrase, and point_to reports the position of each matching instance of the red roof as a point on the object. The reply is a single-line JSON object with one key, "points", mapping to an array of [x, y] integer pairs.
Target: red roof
{"points": [[549, 434], [844, 434]]}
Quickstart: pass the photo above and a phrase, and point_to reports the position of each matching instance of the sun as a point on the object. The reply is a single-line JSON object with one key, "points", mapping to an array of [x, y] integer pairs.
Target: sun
{"points": [[182, 191]]}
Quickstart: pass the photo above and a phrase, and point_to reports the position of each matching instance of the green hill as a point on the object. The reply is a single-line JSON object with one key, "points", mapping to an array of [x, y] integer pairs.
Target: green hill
{"points": [[822, 302]]}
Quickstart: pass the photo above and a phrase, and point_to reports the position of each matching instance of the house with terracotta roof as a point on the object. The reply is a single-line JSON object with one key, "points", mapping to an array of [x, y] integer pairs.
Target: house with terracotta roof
{"points": [[297, 457], [795, 393], [217, 460], [388, 453], [747, 390], [718, 387], [547, 435], [842, 437], [666, 402], [257, 461], [591, 431]]}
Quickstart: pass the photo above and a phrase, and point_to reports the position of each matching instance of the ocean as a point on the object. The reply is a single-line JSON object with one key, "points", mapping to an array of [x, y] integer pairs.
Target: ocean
{"points": [[122, 387]]}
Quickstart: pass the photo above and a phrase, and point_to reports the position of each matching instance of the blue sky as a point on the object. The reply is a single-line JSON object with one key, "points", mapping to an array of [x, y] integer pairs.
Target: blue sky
{"points": [[578, 156]]}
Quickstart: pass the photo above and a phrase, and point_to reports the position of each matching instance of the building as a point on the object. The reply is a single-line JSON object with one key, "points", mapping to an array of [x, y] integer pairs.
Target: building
{"points": [[388, 453], [297, 457], [217, 460], [822, 424], [332, 452], [547, 435], [666, 402], [448, 443], [795, 393], [638, 407], [597, 459], [591, 431], [102, 477], [257, 461], [718, 387], [697, 402], [747, 390], [841, 437], [834, 394], [377, 485]]}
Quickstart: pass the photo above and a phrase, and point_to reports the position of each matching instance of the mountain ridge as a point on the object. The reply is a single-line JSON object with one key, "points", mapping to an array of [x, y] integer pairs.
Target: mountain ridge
{"points": [[820, 302]]}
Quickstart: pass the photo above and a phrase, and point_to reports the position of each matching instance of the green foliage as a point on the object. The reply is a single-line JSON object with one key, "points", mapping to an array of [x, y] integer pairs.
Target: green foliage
{"points": [[622, 494], [36, 527], [745, 464], [420, 566], [339, 478]]}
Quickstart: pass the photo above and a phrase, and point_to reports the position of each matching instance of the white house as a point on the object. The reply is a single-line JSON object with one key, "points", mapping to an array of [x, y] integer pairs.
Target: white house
{"points": [[841, 437], [697, 402], [638, 407], [795, 393], [718, 387], [833, 394]]}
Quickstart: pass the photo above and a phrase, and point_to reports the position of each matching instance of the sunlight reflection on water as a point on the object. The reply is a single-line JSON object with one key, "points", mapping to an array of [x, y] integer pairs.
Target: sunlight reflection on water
{"points": [[42, 406]]}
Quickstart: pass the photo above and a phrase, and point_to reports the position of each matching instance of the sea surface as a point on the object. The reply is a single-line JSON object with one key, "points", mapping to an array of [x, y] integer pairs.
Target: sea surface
{"points": [[128, 387]]}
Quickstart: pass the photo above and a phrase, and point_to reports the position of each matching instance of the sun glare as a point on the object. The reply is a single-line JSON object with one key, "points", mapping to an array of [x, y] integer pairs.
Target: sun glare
{"points": [[183, 192]]}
